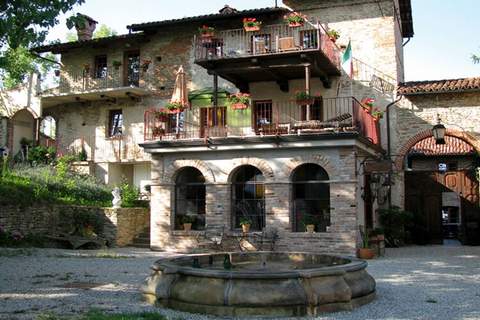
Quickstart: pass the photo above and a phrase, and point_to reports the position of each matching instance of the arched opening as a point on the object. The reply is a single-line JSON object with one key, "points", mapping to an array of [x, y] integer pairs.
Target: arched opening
{"points": [[23, 133], [48, 127], [248, 197], [189, 199], [310, 198]]}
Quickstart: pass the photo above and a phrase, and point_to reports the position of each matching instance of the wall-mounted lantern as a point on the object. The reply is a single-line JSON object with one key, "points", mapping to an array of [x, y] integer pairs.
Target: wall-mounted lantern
{"points": [[438, 131]]}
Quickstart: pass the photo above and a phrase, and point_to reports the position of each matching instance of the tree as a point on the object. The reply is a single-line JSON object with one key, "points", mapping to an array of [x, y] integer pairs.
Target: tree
{"points": [[23, 24]]}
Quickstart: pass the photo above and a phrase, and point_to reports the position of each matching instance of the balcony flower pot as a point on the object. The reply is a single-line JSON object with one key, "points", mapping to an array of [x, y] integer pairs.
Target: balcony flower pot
{"points": [[304, 102], [251, 24], [295, 19], [187, 226], [174, 107], [310, 228], [333, 35], [366, 253], [239, 106]]}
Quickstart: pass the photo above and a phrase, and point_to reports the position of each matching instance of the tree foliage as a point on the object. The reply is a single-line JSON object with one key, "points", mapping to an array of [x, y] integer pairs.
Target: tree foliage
{"points": [[475, 58]]}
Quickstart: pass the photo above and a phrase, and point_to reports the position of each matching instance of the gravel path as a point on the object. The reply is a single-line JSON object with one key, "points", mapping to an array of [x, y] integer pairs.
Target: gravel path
{"points": [[435, 282]]}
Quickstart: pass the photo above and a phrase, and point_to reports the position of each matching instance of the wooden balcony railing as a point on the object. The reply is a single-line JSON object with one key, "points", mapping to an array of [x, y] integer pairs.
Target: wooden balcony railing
{"points": [[264, 118], [82, 81], [271, 39]]}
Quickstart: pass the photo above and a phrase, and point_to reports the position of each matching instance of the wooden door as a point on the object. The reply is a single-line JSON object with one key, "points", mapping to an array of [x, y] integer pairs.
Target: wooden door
{"points": [[470, 210]]}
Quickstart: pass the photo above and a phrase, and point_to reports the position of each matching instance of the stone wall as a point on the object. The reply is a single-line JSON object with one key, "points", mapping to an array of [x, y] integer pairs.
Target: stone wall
{"points": [[414, 116], [277, 167], [121, 226]]}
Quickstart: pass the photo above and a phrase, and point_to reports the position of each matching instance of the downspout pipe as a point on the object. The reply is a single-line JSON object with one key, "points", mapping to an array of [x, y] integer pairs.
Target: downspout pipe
{"points": [[389, 147]]}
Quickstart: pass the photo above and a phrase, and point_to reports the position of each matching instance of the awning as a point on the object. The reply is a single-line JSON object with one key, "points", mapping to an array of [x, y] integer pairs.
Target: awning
{"points": [[452, 146]]}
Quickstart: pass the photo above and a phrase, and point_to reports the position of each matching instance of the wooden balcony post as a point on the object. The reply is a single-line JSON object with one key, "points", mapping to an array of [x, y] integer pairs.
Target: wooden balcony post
{"points": [[307, 88]]}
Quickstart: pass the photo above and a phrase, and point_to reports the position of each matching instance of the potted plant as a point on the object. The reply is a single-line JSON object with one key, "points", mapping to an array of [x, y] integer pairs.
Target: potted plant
{"points": [[83, 24], [251, 24], [144, 65], [309, 223], [239, 101], [206, 32], [245, 223], [303, 98], [295, 19], [333, 35], [116, 64], [377, 114], [187, 222], [365, 252], [174, 107], [161, 115], [367, 104]]}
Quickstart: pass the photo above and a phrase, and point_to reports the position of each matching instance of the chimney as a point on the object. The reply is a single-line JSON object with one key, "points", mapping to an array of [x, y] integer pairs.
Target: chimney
{"points": [[85, 27], [227, 10]]}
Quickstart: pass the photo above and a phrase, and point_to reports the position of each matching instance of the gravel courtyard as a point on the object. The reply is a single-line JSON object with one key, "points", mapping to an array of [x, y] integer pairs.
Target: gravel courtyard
{"points": [[435, 282]]}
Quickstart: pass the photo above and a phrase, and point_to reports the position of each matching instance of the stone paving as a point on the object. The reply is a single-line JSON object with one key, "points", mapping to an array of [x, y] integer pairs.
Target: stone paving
{"points": [[433, 282]]}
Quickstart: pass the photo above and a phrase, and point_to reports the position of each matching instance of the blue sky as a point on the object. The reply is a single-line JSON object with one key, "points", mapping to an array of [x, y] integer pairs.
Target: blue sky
{"points": [[446, 31]]}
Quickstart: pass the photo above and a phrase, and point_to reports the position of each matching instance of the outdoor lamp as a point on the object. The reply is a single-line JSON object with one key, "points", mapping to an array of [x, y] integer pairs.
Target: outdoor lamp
{"points": [[438, 131]]}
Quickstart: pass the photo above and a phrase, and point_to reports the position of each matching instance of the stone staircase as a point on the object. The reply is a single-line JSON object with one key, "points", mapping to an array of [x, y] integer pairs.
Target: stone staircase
{"points": [[143, 239]]}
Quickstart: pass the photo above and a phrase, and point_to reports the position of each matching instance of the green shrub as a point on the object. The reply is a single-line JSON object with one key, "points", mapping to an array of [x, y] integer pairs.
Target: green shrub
{"points": [[131, 197], [395, 222], [41, 155]]}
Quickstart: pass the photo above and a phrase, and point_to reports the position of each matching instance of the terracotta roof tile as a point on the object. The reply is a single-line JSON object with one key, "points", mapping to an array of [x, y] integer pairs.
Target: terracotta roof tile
{"points": [[439, 86], [452, 146]]}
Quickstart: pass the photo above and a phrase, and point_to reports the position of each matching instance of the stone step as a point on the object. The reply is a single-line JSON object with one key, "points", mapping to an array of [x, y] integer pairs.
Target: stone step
{"points": [[141, 245], [142, 239]]}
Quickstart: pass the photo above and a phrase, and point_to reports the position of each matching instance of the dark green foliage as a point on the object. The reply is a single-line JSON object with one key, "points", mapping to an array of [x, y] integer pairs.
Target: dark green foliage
{"points": [[309, 219], [130, 197], [41, 155], [395, 222], [17, 239], [27, 185]]}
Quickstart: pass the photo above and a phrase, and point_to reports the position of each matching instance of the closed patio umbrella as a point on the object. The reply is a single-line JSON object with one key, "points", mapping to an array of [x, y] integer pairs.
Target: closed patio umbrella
{"points": [[180, 93]]}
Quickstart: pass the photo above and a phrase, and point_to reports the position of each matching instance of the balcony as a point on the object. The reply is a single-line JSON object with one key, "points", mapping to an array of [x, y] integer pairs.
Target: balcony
{"points": [[82, 86], [330, 117], [275, 53]]}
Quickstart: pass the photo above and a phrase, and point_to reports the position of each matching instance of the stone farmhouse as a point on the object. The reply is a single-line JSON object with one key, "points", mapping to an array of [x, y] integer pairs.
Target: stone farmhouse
{"points": [[275, 161]]}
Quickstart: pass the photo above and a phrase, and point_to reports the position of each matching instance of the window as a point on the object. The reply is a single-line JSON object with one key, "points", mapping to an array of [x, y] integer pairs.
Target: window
{"points": [[190, 198], [115, 123], [263, 116], [213, 121], [315, 110], [132, 70], [311, 196], [100, 67], [248, 197], [48, 127]]}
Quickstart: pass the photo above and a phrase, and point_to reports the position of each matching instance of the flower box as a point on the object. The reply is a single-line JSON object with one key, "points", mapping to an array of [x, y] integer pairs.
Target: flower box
{"points": [[239, 106], [303, 102], [251, 24], [295, 19], [295, 24], [252, 29]]}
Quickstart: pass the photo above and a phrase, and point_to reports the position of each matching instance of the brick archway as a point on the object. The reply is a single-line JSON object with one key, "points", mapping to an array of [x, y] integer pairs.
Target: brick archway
{"points": [[174, 167], [315, 159], [260, 164], [400, 160]]}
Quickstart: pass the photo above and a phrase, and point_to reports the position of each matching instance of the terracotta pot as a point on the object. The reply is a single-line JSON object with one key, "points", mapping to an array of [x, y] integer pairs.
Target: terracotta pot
{"points": [[175, 111], [366, 253], [295, 24], [207, 35], [245, 228], [310, 228], [251, 29], [187, 226], [333, 39], [239, 106]]}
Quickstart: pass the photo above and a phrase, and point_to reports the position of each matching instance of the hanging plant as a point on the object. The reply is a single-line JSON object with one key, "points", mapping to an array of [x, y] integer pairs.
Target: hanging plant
{"points": [[239, 101], [333, 34], [206, 31], [174, 107], [145, 64], [303, 98], [295, 19], [251, 24]]}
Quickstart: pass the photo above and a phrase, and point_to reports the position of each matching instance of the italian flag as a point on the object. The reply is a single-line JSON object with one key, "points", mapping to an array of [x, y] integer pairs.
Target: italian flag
{"points": [[347, 61]]}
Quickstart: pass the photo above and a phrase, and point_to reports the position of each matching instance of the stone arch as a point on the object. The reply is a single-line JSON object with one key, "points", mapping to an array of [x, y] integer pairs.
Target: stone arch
{"points": [[22, 124], [260, 164], [320, 160], [174, 167], [400, 160]]}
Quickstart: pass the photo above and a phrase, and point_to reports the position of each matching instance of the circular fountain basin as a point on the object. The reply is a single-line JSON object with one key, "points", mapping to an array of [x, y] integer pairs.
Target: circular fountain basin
{"points": [[259, 283]]}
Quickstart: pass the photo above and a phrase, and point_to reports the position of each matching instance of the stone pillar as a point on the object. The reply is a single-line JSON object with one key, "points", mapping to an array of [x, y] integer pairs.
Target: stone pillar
{"points": [[160, 216], [277, 206], [343, 215], [217, 207]]}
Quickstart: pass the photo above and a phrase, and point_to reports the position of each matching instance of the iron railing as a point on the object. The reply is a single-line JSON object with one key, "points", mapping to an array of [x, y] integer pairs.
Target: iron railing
{"points": [[264, 118], [86, 80], [270, 39]]}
